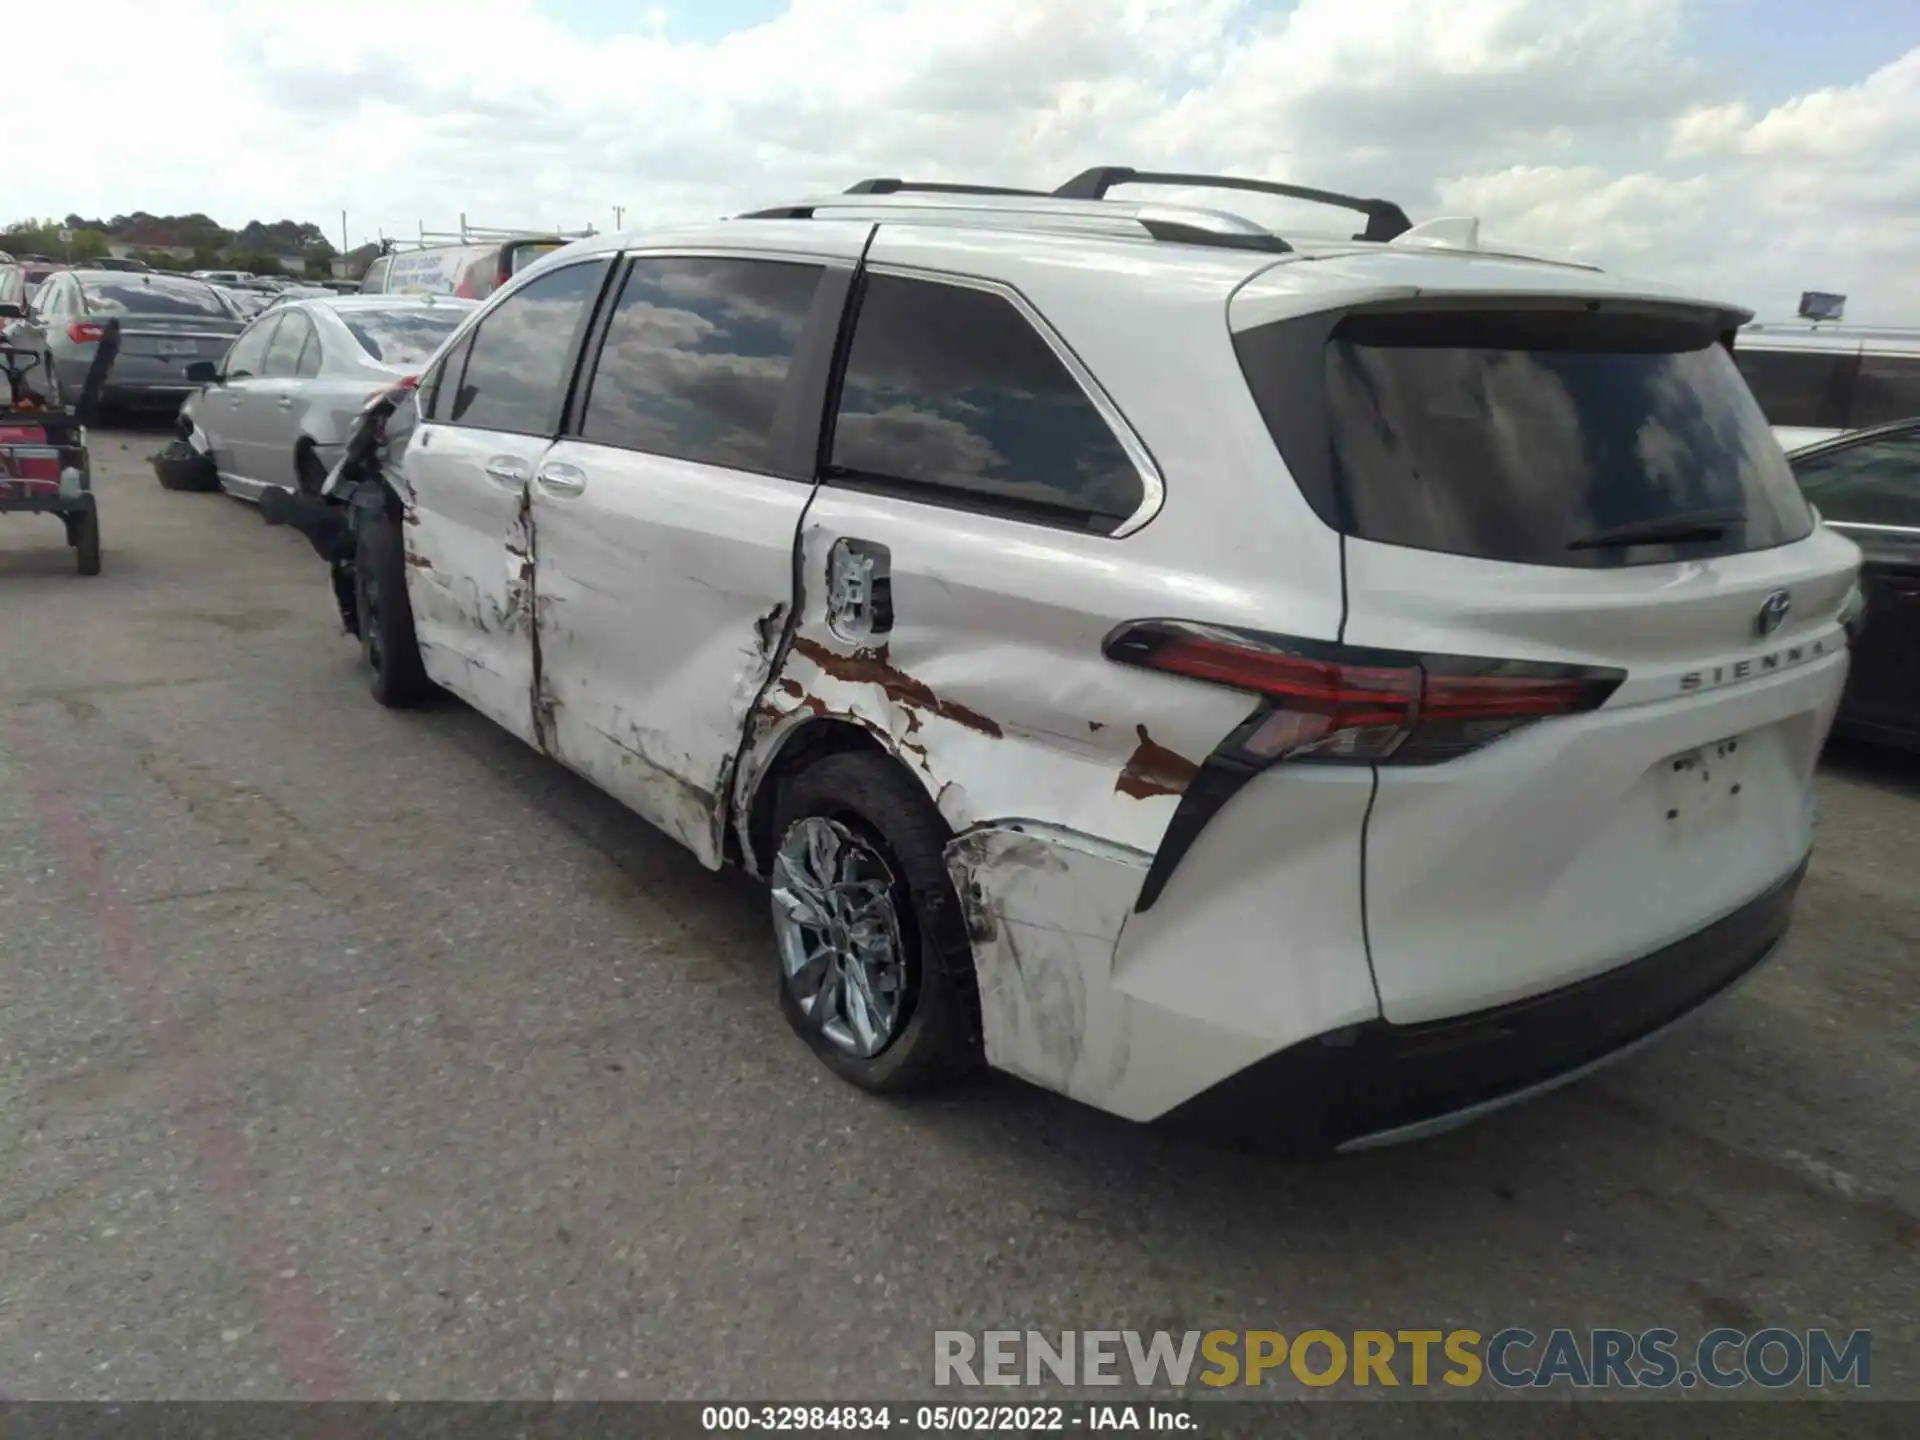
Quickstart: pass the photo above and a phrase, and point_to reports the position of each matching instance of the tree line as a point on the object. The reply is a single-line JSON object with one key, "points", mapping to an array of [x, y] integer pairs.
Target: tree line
{"points": [[178, 242]]}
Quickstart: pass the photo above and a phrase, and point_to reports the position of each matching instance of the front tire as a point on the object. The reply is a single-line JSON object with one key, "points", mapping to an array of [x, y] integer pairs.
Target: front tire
{"points": [[876, 974], [386, 617], [308, 472]]}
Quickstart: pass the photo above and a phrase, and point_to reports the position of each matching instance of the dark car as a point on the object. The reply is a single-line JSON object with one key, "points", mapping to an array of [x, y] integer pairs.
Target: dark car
{"points": [[1866, 485], [167, 323]]}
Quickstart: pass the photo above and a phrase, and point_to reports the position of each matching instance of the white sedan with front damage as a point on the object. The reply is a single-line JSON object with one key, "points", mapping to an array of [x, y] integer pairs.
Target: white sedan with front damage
{"points": [[274, 412]]}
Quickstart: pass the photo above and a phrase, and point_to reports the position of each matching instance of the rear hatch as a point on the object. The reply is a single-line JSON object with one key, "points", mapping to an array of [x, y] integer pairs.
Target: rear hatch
{"points": [[1567, 522]]}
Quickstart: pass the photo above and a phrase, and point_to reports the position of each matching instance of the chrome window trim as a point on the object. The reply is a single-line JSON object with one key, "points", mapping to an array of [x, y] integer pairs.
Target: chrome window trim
{"points": [[1913, 530]]}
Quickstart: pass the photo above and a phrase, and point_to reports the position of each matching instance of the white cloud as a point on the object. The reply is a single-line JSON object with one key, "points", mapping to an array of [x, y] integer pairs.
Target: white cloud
{"points": [[1579, 126]]}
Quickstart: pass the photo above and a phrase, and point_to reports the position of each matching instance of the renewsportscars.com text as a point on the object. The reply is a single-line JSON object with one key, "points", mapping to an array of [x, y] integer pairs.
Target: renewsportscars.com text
{"points": [[1512, 1358]]}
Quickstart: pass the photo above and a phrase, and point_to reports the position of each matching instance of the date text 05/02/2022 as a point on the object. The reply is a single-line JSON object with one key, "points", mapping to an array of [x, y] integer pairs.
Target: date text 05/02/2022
{"points": [[940, 1419]]}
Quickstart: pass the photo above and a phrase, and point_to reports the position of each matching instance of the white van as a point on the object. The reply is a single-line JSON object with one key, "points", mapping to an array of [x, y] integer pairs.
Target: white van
{"points": [[1816, 381], [466, 271]]}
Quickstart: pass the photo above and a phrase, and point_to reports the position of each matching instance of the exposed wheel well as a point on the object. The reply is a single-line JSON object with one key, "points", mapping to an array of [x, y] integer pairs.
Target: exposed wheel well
{"points": [[800, 749]]}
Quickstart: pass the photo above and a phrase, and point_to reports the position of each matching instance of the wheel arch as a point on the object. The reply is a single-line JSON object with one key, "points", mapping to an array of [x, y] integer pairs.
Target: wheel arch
{"points": [[779, 748]]}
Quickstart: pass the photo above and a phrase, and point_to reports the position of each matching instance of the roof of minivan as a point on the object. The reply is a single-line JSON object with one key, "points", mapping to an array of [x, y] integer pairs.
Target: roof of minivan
{"points": [[1315, 272]]}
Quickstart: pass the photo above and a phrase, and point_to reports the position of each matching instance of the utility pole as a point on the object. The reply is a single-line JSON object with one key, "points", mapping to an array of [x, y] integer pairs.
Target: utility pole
{"points": [[619, 211], [344, 247]]}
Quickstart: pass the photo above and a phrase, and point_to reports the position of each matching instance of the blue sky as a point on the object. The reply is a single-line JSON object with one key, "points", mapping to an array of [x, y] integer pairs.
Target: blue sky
{"points": [[701, 20], [1772, 49]]}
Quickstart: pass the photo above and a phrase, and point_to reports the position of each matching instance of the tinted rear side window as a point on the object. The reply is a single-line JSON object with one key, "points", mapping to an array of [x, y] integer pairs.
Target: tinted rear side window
{"points": [[952, 395], [1887, 389], [696, 358], [522, 354], [1529, 438], [1805, 388]]}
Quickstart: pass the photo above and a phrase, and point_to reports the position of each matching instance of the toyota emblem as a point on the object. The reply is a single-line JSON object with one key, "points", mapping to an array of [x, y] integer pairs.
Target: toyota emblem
{"points": [[1773, 613]]}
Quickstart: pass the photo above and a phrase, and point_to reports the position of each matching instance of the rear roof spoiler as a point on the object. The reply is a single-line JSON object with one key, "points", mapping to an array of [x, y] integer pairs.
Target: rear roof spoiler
{"points": [[1385, 219]]}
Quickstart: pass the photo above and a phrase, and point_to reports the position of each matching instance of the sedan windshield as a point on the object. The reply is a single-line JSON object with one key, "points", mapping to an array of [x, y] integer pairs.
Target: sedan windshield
{"points": [[153, 295], [402, 338]]}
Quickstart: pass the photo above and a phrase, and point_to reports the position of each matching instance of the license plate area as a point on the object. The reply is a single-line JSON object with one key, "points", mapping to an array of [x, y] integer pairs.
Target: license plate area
{"points": [[1700, 790], [179, 347]]}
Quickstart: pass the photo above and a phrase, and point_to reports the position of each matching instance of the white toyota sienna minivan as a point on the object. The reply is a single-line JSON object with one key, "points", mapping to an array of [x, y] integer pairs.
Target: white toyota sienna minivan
{"points": [[1326, 685]]}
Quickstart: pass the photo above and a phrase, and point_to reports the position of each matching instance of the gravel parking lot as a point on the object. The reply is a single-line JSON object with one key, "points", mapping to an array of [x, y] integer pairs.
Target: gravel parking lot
{"points": [[353, 1053]]}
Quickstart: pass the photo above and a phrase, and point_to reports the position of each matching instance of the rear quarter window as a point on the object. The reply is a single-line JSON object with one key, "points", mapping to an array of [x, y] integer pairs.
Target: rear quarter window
{"points": [[951, 396]]}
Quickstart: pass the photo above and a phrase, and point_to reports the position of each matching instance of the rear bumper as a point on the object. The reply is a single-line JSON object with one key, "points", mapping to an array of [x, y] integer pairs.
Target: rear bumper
{"points": [[1376, 1083]]}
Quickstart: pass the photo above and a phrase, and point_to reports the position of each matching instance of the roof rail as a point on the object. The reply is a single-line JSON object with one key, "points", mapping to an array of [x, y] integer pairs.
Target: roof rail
{"points": [[1035, 209], [1385, 219], [932, 187]]}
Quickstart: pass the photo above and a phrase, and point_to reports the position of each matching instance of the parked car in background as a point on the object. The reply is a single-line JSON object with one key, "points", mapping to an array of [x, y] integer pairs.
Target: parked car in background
{"points": [[290, 293], [166, 323], [222, 277], [20, 327], [1866, 485], [1815, 381], [248, 301], [1392, 691], [37, 268], [274, 411], [469, 271], [114, 262]]}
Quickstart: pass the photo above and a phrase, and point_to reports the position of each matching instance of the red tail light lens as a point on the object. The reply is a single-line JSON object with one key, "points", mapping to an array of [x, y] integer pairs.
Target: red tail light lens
{"points": [[85, 332], [1334, 703]]}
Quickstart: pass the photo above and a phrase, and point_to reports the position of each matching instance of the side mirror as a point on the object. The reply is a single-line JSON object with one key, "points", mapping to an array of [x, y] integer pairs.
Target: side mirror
{"points": [[203, 372]]}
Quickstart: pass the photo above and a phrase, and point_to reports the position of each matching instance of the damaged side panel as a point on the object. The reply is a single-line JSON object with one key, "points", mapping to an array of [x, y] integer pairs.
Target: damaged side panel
{"points": [[986, 677], [471, 571], [664, 592]]}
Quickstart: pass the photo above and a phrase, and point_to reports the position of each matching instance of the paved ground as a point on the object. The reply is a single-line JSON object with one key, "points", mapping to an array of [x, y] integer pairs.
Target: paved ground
{"points": [[353, 1053]]}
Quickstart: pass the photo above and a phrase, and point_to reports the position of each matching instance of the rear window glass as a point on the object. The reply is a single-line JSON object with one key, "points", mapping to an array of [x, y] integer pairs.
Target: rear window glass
{"points": [[1545, 439], [1803, 388], [150, 295], [525, 255], [402, 338]]}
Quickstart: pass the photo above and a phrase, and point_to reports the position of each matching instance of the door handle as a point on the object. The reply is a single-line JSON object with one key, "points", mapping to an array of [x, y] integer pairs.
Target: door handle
{"points": [[561, 479], [507, 469], [286, 402]]}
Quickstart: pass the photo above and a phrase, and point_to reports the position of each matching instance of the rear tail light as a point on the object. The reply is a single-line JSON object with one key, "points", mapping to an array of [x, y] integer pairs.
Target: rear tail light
{"points": [[85, 332], [1332, 703]]}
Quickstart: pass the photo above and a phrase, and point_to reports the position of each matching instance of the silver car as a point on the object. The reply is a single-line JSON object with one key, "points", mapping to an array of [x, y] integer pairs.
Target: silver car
{"points": [[275, 411], [167, 322]]}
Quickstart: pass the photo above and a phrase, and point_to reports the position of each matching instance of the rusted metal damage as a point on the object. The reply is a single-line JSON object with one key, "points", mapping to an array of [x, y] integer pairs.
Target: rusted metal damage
{"points": [[1153, 769], [871, 667], [418, 561]]}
